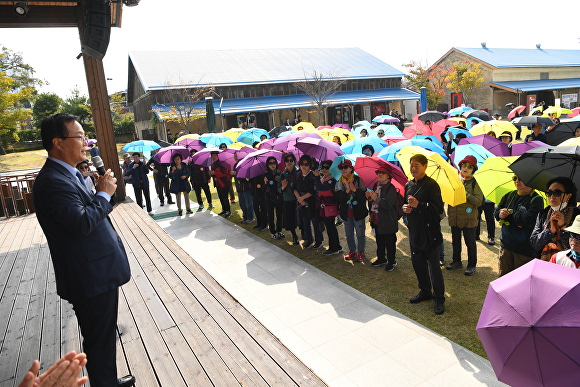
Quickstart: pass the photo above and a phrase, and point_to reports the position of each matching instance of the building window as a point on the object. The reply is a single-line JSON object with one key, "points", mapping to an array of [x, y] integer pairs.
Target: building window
{"points": [[544, 75]]}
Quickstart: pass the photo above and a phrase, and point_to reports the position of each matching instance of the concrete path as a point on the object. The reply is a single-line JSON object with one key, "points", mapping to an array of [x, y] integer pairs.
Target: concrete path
{"points": [[344, 336]]}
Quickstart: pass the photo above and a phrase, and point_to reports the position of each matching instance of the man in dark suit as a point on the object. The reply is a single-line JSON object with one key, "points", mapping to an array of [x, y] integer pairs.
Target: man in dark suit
{"points": [[138, 172], [88, 256]]}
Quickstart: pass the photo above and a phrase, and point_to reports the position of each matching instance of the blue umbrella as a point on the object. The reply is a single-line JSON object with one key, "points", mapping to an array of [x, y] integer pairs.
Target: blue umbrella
{"points": [[423, 99], [356, 145], [459, 110], [364, 124], [478, 151], [390, 153], [390, 130], [456, 131], [370, 132], [213, 140], [141, 146], [378, 118], [429, 137], [334, 171], [472, 121], [250, 136], [282, 134]]}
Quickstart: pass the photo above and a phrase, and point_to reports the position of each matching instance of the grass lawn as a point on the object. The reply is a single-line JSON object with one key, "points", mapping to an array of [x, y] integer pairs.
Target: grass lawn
{"points": [[465, 295]]}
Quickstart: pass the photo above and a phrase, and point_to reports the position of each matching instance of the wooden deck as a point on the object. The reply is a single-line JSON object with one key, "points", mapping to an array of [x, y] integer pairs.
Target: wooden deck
{"points": [[177, 325]]}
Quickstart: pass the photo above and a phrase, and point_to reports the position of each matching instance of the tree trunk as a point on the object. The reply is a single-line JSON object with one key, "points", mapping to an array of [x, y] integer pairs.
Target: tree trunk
{"points": [[2, 151]]}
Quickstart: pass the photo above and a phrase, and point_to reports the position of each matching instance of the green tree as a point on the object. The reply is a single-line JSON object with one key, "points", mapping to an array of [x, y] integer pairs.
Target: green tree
{"points": [[13, 65], [123, 119], [80, 106], [433, 79], [12, 113], [465, 77], [44, 106]]}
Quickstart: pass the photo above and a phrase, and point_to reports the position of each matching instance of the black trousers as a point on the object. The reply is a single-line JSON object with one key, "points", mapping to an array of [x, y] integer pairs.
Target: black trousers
{"points": [[97, 318], [386, 243], [487, 209], [162, 188], [224, 200], [332, 232], [272, 209], [428, 272], [469, 237], [139, 193], [197, 189]]}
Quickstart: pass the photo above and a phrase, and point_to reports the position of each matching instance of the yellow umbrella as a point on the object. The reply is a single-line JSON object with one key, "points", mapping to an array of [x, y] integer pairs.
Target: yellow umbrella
{"points": [[452, 190], [329, 134], [309, 130], [233, 133], [498, 127], [192, 136], [557, 110], [540, 108], [238, 145], [303, 125]]}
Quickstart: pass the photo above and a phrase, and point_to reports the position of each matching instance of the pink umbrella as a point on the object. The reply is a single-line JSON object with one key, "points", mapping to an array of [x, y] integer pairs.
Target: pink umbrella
{"points": [[390, 140], [243, 152], [416, 128], [165, 155], [254, 164], [288, 143], [203, 157], [530, 325], [191, 143], [319, 149], [324, 127], [268, 144], [521, 148], [514, 111], [439, 126], [366, 167], [575, 112]]}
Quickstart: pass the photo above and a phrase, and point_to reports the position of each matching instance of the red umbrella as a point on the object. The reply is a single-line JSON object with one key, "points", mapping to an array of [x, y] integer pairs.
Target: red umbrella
{"points": [[439, 126], [416, 128], [390, 140], [366, 168], [514, 111]]}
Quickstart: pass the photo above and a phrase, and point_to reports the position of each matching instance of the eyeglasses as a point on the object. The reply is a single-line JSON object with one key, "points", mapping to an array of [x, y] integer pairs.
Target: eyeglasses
{"points": [[575, 236], [288, 160], [381, 133], [83, 138], [304, 165], [344, 167], [273, 163], [515, 178], [325, 167], [84, 167], [555, 192]]}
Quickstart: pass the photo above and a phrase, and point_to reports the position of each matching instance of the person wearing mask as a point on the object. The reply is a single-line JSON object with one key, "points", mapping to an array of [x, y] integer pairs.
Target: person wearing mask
{"points": [[463, 218], [516, 213], [549, 235], [424, 209], [305, 193], [384, 218], [352, 207], [200, 178], [180, 183], [570, 258], [325, 185], [286, 185], [273, 199]]}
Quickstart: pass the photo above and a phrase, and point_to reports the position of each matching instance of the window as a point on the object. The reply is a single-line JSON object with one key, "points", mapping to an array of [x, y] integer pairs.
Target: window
{"points": [[544, 75]]}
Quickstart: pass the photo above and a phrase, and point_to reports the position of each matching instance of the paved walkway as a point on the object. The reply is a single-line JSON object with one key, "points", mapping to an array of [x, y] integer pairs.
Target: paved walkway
{"points": [[344, 336]]}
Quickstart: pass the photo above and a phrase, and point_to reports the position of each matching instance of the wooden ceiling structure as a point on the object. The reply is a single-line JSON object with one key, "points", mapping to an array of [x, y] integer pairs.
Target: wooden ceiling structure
{"points": [[93, 20]]}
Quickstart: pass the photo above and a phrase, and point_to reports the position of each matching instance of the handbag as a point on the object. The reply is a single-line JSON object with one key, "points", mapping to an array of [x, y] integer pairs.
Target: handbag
{"points": [[329, 210]]}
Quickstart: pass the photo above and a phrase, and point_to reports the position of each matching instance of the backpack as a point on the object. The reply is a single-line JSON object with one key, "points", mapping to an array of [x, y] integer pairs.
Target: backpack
{"points": [[399, 203]]}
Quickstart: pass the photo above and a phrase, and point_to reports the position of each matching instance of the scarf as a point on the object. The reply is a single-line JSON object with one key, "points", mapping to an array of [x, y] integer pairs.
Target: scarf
{"points": [[555, 244]]}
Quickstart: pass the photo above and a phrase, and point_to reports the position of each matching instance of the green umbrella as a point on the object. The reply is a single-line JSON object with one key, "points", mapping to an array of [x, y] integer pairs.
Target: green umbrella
{"points": [[210, 115]]}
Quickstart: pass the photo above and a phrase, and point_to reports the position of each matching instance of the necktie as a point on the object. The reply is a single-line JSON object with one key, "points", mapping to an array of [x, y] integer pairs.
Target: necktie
{"points": [[82, 180]]}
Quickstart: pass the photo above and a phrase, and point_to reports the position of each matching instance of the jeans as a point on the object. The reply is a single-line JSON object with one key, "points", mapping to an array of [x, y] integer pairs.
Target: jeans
{"points": [[469, 237], [247, 205], [350, 227], [306, 221]]}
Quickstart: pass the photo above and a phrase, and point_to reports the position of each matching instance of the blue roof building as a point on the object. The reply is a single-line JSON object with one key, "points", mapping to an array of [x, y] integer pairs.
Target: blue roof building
{"points": [[520, 76], [259, 85]]}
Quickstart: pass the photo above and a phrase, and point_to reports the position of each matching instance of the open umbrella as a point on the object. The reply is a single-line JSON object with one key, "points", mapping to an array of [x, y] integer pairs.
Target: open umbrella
{"points": [[478, 151], [190, 144], [390, 153], [250, 136], [431, 115], [557, 110], [515, 111], [366, 168], [457, 111], [268, 144], [329, 134], [495, 146], [439, 127], [277, 130], [364, 124], [233, 133], [388, 120], [192, 136], [319, 149], [242, 152], [531, 120], [357, 145], [575, 141], [416, 128], [382, 116], [389, 130], [213, 140], [537, 166], [457, 130], [91, 141], [288, 143], [165, 155], [530, 325], [141, 146], [254, 164], [522, 147], [390, 140], [203, 157], [303, 125], [574, 112], [452, 189], [342, 126], [495, 178], [472, 121], [481, 114], [428, 137], [286, 133], [562, 132], [498, 127]]}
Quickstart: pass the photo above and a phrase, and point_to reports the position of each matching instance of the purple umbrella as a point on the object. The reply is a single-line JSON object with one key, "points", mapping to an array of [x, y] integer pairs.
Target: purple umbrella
{"points": [[319, 149], [191, 143], [521, 148], [495, 146], [254, 164], [203, 157], [530, 325], [388, 120], [165, 155], [288, 143], [344, 126], [267, 144]]}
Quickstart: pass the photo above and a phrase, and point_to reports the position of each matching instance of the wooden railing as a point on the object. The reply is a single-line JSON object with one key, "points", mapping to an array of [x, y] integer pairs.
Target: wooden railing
{"points": [[16, 194]]}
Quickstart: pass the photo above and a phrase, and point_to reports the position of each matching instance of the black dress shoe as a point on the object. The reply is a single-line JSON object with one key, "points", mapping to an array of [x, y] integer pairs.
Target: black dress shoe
{"points": [[469, 271], [421, 296], [439, 307], [126, 381], [454, 265]]}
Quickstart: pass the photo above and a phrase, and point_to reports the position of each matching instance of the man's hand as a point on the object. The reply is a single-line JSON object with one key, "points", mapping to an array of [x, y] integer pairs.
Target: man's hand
{"points": [[63, 373], [107, 183]]}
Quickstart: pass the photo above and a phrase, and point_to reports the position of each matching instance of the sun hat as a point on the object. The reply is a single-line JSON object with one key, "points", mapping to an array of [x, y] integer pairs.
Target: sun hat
{"points": [[345, 162], [575, 227], [469, 159]]}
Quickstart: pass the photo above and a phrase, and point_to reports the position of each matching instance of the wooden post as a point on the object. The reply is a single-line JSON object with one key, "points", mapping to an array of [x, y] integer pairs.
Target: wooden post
{"points": [[101, 109]]}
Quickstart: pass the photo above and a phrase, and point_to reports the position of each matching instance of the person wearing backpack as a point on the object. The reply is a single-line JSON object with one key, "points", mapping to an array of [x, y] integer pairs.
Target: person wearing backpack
{"points": [[386, 210], [463, 218]]}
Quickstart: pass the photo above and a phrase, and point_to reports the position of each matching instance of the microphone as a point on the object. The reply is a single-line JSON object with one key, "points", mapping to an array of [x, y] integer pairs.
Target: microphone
{"points": [[98, 163]]}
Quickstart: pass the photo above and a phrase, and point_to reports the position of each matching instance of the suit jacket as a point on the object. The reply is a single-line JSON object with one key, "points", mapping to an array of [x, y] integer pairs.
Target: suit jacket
{"points": [[138, 175], [87, 254]]}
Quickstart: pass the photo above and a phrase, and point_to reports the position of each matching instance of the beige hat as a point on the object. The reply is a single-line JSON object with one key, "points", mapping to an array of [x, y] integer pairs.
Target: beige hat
{"points": [[126, 156], [575, 227]]}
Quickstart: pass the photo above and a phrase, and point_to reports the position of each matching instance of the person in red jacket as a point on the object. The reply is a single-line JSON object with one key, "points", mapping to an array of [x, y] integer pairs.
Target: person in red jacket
{"points": [[222, 179]]}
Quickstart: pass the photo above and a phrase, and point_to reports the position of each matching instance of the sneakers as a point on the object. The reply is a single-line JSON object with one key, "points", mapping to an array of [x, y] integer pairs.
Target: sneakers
{"points": [[189, 211], [490, 241], [378, 263], [274, 236], [317, 245], [329, 252], [280, 235], [180, 212], [454, 265], [210, 206], [469, 271], [360, 257], [161, 204], [227, 214], [200, 207], [421, 296], [150, 212], [391, 266], [170, 202], [257, 227], [262, 228], [232, 200], [442, 261], [339, 223], [305, 244], [350, 256], [222, 213]]}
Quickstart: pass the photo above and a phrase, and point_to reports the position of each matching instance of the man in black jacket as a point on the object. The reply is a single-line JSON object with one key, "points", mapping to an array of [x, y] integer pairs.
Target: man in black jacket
{"points": [[424, 206]]}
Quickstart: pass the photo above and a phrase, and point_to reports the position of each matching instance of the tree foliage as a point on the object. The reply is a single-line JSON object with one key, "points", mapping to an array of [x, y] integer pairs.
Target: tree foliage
{"points": [[432, 79], [465, 77], [80, 106], [12, 112], [45, 105], [123, 119], [320, 87], [13, 65]]}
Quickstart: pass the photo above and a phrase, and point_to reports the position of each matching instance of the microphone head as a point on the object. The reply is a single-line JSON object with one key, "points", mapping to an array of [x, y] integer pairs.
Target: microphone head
{"points": [[97, 162]]}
